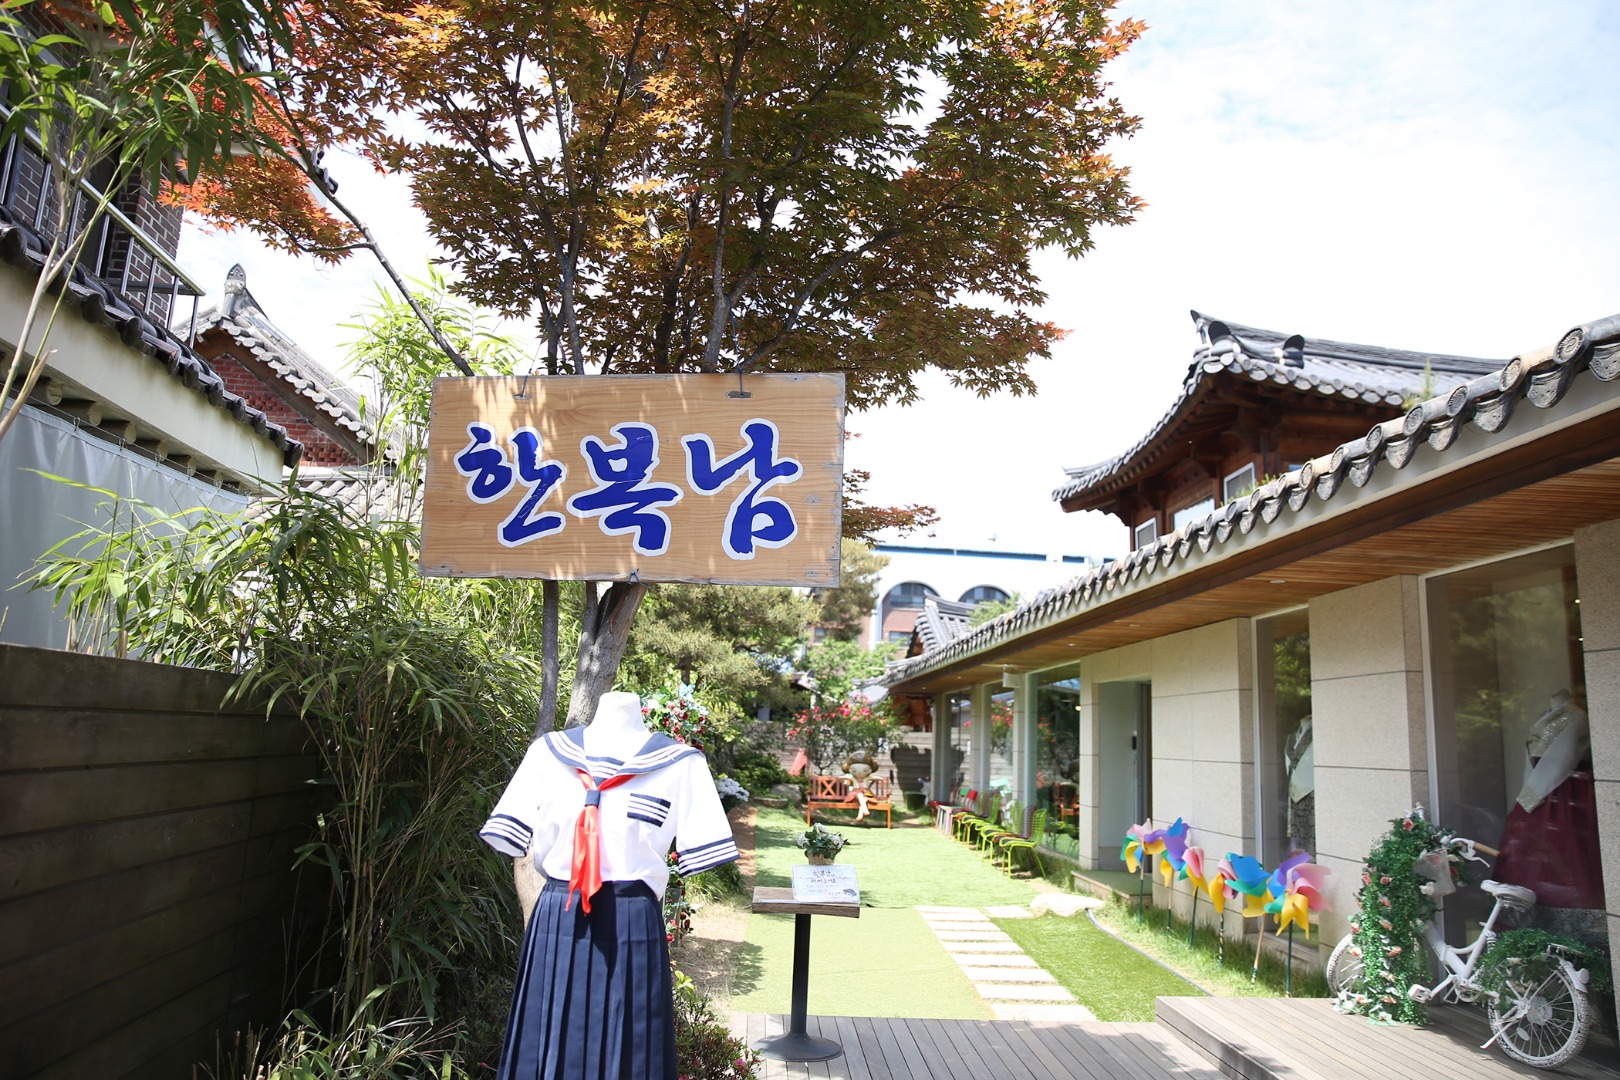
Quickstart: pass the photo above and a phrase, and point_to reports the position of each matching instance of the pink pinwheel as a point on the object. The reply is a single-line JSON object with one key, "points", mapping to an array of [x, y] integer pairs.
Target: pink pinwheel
{"points": [[1192, 865], [1301, 896], [1140, 840]]}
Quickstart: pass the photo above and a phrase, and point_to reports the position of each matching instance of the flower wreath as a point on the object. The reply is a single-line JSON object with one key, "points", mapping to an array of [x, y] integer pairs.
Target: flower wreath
{"points": [[1396, 904]]}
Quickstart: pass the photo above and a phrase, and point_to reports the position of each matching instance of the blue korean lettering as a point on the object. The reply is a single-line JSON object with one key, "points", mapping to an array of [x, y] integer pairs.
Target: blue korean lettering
{"points": [[489, 475], [623, 498], [541, 478], [754, 520]]}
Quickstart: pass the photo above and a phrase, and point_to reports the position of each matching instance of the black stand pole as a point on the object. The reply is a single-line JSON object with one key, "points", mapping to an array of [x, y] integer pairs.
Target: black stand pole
{"points": [[797, 1044]]}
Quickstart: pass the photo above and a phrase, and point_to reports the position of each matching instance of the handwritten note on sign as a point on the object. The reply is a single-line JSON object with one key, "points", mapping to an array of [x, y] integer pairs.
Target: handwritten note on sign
{"points": [[667, 477], [825, 885]]}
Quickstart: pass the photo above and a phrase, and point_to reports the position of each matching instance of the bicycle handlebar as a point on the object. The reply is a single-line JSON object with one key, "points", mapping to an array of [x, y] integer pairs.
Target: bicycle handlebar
{"points": [[1471, 846]]}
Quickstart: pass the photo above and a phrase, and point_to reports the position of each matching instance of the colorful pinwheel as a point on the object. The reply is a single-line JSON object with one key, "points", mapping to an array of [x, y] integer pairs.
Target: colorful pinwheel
{"points": [[1140, 840], [1173, 858], [1297, 886], [1244, 877], [1192, 866]]}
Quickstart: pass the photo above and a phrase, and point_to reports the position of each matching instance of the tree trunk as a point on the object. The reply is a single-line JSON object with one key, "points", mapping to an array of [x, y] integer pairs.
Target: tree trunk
{"points": [[605, 631], [550, 663]]}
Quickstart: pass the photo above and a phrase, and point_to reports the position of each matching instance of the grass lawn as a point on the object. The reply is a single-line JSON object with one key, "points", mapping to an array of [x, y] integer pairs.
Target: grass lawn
{"points": [[1106, 976], [887, 962], [895, 867], [1201, 964]]}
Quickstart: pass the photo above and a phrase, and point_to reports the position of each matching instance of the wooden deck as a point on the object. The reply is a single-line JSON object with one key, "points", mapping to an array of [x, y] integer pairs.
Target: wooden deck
{"points": [[1304, 1039], [1194, 1039], [887, 1049]]}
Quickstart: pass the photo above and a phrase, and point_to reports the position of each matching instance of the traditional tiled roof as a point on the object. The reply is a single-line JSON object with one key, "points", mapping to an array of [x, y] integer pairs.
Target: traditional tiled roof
{"points": [[241, 316], [98, 303], [942, 621], [1331, 369], [1485, 402]]}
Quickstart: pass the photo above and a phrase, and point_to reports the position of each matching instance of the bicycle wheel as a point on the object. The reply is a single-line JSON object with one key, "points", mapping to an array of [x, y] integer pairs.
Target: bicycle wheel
{"points": [[1540, 1015], [1344, 967]]}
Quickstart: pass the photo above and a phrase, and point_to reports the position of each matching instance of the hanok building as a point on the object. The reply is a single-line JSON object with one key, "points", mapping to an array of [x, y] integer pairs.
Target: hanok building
{"points": [[1403, 612], [124, 407]]}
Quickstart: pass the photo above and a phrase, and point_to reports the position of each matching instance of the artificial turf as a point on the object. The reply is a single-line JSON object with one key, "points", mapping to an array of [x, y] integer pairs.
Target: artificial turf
{"points": [[887, 962], [895, 867], [1107, 976]]}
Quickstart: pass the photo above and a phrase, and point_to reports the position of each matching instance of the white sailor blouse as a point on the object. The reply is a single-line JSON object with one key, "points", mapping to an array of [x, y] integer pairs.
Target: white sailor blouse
{"points": [[667, 796]]}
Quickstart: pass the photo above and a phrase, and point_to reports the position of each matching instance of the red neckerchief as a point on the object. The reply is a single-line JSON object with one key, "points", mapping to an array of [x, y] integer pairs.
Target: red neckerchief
{"points": [[586, 875]]}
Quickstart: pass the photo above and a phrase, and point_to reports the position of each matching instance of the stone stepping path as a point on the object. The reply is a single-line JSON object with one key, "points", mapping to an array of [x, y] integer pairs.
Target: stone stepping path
{"points": [[1011, 983]]}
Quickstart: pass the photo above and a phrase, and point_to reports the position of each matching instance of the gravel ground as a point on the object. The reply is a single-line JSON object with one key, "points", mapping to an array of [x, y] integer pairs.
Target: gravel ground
{"points": [[706, 954]]}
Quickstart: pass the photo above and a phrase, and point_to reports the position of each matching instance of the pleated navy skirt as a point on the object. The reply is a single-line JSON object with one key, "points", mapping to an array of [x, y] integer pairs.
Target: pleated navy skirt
{"points": [[592, 1000]]}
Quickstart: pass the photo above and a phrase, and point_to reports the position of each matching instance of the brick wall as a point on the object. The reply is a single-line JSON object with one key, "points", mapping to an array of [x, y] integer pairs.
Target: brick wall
{"points": [[320, 447]]}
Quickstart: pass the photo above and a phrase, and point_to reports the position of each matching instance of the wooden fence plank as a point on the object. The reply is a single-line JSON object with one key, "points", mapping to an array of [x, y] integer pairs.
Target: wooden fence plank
{"points": [[41, 738], [48, 920], [51, 800], [43, 860]]}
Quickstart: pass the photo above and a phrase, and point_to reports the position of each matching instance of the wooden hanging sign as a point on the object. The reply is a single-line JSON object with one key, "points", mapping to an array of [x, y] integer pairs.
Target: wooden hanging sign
{"points": [[696, 478]]}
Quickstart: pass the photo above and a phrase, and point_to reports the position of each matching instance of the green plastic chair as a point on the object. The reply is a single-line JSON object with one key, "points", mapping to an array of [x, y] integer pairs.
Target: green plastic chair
{"points": [[1015, 824], [1030, 843], [973, 823], [1013, 817]]}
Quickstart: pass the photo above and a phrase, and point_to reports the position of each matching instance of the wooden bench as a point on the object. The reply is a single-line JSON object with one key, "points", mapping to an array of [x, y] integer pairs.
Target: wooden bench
{"points": [[837, 793]]}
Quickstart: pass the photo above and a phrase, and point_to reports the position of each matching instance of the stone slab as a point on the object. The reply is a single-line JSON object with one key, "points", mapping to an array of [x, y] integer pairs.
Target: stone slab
{"points": [[1021, 992], [1065, 904], [1007, 975]]}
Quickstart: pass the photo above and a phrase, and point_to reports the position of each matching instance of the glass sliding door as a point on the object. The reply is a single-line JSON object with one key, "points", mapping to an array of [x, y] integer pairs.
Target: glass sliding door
{"points": [[1056, 747], [1286, 811]]}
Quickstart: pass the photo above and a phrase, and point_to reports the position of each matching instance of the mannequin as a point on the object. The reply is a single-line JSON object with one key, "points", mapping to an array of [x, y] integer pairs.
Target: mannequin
{"points": [[1550, 840], [597, 810], [618, 729]]}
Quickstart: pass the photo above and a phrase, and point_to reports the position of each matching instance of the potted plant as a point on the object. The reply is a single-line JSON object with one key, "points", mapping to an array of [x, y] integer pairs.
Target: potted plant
{"points": [[821, 845]]}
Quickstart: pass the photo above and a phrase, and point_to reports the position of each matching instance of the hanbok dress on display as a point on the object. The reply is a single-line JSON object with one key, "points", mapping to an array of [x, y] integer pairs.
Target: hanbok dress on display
{"points": [[1550, 839]]}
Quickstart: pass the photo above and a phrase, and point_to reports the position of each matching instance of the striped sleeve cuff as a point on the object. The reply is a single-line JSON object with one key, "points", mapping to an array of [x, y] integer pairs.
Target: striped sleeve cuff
{"points": [[706, 857], [507, 835]]}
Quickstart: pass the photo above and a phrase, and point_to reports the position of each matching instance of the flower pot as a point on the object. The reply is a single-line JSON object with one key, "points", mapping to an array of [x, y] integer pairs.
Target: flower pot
{"points": [[820, 860]]}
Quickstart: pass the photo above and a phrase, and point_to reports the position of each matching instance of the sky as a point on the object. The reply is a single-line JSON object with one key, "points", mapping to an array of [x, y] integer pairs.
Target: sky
{"points": [[1433, 176]]}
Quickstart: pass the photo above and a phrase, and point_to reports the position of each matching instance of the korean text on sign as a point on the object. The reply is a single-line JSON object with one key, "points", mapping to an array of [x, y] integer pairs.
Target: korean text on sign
{"points": [[624, 496]]}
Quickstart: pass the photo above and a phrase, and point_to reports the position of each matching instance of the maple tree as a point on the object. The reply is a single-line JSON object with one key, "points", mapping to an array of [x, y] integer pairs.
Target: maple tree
{"points": [[828, 185]]}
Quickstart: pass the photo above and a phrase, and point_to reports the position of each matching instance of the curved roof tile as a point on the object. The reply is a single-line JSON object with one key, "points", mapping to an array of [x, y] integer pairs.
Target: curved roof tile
{"points": [[1485, 401]]}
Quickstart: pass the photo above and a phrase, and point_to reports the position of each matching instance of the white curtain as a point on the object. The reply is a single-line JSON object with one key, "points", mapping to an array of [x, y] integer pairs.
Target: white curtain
{"points": [[37, 512]]}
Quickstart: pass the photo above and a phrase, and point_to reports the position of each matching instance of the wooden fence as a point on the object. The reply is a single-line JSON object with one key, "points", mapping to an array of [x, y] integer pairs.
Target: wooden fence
{"points": [[147, 899]]}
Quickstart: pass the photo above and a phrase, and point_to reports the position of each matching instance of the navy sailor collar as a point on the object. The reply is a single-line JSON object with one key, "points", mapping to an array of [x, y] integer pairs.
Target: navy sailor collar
{"points": [[568, 746]]}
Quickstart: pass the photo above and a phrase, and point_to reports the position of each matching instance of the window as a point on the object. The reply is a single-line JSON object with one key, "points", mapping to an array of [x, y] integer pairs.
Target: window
{"points": [[1510, 693], [959, 707], [901, 637], [1057, 756], [1145, 533], [1001, 742], [1287, 790], [984, 594], [910, 594], [1238, 484], [1198, 511]]}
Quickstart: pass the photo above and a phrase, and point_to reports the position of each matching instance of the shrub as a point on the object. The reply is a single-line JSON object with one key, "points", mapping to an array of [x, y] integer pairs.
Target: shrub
{"points": [[704, 1048]]}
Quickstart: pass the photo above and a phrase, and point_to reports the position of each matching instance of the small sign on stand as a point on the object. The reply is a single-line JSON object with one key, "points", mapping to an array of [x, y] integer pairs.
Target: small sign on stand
{"points": [[825, 885], [817, 890]]}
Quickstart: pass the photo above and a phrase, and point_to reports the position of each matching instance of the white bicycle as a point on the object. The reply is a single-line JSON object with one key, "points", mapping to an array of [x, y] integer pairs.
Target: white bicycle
{"points": [[1538, 1015]]}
